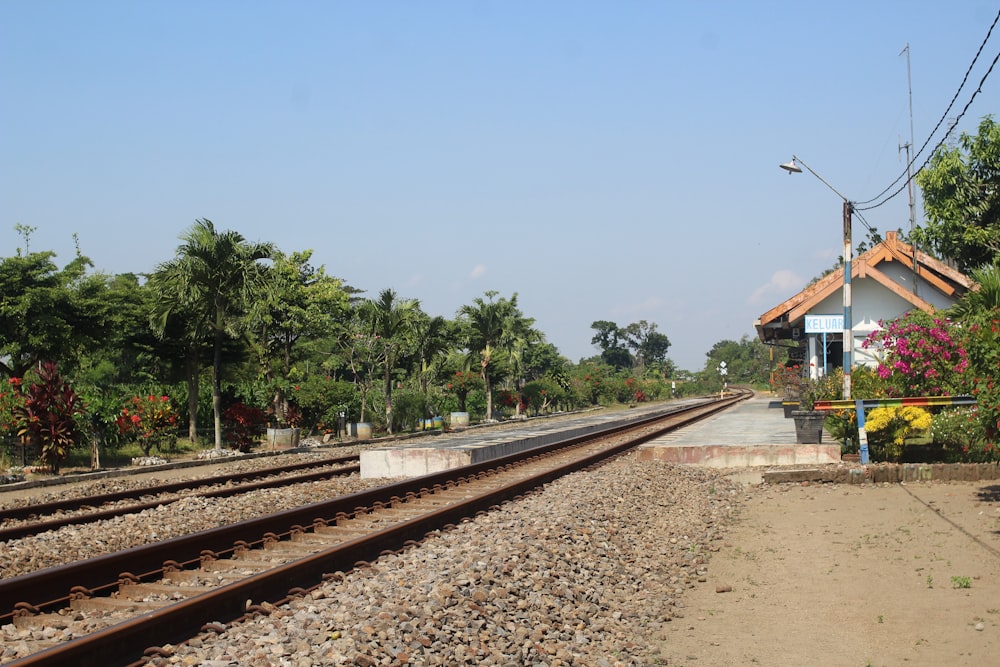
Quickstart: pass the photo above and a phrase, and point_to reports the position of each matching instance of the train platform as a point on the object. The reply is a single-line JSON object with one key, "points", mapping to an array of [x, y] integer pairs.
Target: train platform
{"points": [[475, 445], [755, 432]]}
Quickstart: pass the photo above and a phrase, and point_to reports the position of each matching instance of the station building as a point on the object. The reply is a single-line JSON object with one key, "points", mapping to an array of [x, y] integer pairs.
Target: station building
{"points": [[887, 281]]}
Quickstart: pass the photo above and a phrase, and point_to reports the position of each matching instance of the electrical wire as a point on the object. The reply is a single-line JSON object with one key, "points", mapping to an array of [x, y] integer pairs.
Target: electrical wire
{"points": [[939, 144], [861, 205], [892, 250]]}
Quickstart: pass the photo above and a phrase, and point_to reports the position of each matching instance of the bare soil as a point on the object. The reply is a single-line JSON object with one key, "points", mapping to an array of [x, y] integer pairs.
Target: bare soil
{"points": [[831, 575]]}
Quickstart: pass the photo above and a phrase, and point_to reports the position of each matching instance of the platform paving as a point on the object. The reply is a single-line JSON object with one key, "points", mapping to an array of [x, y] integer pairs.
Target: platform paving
{"points": [[475, 444], [753, 433]]}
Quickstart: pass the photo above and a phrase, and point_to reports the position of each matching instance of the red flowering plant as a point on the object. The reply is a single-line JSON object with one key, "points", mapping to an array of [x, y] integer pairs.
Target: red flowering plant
{"points": [[509, 399], [151, 421], [48, 415], [982, 340], [920, 356], [593, 384], [541, 395], [788, 379], [243, 425], [636, 395], [461, 383], [293, 415]]}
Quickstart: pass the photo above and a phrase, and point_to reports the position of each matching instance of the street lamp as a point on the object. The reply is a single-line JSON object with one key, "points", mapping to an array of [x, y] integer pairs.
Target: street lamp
{"points": [[848, 344]]}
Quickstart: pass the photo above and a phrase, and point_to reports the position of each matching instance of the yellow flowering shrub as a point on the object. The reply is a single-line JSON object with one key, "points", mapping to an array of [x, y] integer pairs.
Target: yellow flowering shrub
{"points": [[889, 427]]}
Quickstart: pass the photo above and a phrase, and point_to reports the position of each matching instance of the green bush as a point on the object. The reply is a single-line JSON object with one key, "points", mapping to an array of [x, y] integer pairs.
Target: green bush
{"points": [[322, 399], [542, 395], [956, 428], [960, 432], [409, 409]]}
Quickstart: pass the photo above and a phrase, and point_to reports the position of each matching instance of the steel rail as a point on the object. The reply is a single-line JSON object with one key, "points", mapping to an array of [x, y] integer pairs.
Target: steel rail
{"points": [[126, 641], [70, 504], [51, 587], [34, 528]]}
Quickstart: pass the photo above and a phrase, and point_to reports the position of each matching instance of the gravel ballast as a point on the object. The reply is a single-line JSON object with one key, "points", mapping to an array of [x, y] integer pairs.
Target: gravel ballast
{"points": [[585, 572]]}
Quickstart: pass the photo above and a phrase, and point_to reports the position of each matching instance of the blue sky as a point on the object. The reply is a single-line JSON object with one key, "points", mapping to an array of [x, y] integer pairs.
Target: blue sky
{"points": [[605, 161]]}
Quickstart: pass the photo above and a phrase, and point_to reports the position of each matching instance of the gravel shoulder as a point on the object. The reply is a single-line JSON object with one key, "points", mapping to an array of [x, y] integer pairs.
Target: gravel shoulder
{"points": [[830, 575]]}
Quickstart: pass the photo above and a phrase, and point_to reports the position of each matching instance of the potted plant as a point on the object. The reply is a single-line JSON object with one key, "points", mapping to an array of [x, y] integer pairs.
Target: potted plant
{"points": [[808, 420], [789, 379]]}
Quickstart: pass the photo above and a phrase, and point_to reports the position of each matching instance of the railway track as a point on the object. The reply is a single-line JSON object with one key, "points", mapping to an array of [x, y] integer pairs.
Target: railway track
{"points": [[19, 522], [135, 603]]}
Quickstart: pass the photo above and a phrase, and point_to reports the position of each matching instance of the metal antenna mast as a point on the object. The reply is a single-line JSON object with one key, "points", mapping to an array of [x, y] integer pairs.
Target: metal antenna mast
{"points": [[909, 167]]}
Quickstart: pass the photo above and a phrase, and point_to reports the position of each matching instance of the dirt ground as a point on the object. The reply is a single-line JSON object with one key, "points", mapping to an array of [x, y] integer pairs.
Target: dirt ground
{"points": [[831, 575]]}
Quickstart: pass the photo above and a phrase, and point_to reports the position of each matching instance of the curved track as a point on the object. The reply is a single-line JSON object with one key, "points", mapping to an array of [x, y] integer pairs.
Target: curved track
{"points": [[167, 592]]}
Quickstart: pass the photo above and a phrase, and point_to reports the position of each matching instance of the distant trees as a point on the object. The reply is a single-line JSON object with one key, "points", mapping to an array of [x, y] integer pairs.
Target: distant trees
{"points": [[611, 339], [637, 345], [268, 330], [748, 360]]}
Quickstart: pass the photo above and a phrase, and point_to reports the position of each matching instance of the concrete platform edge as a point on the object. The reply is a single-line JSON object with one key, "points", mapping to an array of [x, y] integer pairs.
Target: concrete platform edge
{"points": [[887, 473]]}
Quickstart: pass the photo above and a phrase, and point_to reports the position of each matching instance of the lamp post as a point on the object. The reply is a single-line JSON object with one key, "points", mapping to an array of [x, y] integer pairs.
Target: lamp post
{"points": [[848, 343]]}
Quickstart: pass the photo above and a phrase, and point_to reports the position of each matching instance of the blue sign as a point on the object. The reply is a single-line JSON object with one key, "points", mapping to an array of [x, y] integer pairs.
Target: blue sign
{"points": [[824, 323]]}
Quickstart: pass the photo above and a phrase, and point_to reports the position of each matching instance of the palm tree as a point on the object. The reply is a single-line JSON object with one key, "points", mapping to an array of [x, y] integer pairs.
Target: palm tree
{"points": [[180, 325], [492, 327], [213, 277], [521, 337], [431, 340], [390, 319], [983, 297]]}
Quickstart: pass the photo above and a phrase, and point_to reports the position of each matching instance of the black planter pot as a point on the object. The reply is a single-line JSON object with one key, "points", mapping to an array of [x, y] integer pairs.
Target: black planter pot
{"points": [[808, 426]]}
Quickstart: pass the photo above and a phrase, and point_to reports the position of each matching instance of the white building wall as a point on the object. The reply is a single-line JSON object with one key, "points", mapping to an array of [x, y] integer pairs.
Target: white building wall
{"points": [[871, 303], [904, 277]]}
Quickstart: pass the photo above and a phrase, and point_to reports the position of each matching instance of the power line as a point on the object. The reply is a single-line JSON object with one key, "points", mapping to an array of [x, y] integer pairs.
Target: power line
{"points": [[944, 115], [939, 144]]}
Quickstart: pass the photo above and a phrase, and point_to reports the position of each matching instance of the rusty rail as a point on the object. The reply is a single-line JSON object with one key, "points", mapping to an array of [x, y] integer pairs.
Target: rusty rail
{"points": [[125, 642], [71, 504], [36, 527]]}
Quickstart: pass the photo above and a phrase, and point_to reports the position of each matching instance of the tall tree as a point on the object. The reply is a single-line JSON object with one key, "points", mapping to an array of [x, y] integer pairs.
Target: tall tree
{"points": [[46, 313], [214, 278], [961, 192], [612, 341], [362, 354], [299, 302], [390, 320], [520, 339], [490, 330], [648, 345], [432, 340], [184, 329]]}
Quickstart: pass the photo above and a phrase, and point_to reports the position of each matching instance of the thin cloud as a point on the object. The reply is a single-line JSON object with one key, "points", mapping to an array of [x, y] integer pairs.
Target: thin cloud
{"points": [[781, 283], [477, 272]]}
